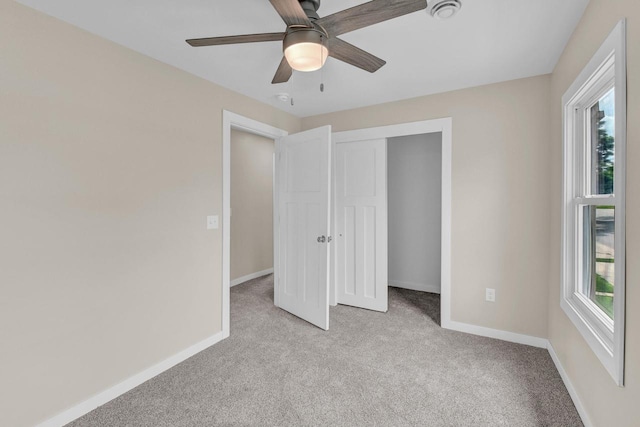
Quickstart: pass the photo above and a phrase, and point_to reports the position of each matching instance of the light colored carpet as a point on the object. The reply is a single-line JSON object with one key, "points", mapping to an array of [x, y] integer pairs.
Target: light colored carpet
{"points": [[387, 369]]}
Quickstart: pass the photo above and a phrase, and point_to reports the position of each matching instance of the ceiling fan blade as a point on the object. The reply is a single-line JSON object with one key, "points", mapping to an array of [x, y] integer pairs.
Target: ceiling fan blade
{"points": [[246, 38], [367, 14], [340, 49], [283, 74], [291, 12]]}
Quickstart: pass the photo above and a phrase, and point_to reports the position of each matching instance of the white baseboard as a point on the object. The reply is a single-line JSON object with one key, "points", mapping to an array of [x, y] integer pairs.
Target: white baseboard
{"points": [[251, 276], [497, 334], [572, 391], [100, 399], [528, 340], [423, 287]]}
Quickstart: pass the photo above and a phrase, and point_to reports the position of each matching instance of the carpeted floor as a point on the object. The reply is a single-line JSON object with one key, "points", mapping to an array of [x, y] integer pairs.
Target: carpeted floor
{"points": [[386, 369]]}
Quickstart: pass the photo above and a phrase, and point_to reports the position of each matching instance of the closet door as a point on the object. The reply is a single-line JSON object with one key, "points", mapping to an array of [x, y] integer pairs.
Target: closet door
{"points": [[361, 224], [303, 165]]}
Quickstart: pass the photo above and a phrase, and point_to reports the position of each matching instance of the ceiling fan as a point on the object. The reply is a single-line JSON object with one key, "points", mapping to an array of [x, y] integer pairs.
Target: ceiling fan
{"points": [[309, 39]]}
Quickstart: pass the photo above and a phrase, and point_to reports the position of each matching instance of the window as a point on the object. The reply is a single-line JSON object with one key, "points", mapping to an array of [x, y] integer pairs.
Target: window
{"points": [[594, 202]]}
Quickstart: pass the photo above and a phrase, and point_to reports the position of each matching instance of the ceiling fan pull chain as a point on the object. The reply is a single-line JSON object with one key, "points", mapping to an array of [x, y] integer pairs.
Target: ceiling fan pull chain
{"points": [[322, 62]]}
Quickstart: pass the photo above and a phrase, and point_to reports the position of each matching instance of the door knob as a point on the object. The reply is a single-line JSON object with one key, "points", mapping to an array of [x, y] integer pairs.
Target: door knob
{"points": [[321, 239]]}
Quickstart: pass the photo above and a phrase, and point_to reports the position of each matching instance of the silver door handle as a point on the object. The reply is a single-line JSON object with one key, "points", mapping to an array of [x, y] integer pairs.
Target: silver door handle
{"points": [[321, 239]]}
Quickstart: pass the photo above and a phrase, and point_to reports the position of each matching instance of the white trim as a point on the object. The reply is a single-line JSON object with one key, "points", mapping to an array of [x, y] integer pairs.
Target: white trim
{"points": [[422, 287], [119, 389], [235, 121], [498, 334], [251, 276], [392, 131], [572, 391], [605, 338], [535, 342], [445, 126], [276, 228], [445, 246]]}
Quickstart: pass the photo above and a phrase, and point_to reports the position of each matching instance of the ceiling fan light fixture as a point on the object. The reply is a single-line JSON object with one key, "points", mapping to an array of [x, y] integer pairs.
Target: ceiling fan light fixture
{"points": [[305, 49], [307, 35]]}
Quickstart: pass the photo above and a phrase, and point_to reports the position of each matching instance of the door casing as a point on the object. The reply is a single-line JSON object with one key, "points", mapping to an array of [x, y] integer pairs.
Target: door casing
{"points": [[235, 121]]}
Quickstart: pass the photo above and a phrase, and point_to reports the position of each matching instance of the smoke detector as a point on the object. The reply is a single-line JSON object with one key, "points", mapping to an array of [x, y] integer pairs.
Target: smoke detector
{"points": [[283, 97], [443, 9]]}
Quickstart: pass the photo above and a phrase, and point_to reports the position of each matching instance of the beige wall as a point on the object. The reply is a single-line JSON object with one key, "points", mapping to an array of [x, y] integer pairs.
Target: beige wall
{"points": [[109, 164], [251, 203], [110, 161], [606, 404], [500, 224]]}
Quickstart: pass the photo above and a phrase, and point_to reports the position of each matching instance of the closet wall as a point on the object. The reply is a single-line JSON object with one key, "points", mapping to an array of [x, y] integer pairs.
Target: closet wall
{"points": [[414, 173]]}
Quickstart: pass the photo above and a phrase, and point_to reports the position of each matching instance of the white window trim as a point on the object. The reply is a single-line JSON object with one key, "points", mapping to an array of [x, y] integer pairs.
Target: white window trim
{"points": [[604, 336]]}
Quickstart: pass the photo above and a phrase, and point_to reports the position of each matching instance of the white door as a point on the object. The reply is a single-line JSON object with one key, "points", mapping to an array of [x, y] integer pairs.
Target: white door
{"points": [[302, 258], [361, 224]]}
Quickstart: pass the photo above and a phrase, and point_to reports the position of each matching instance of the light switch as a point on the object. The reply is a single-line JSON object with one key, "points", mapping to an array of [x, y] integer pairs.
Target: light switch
{"points": [[212, 222], [490, 295]]}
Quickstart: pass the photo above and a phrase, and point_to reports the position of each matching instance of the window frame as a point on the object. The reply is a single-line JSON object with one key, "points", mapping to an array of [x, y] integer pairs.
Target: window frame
{"points": [[605, 70]]}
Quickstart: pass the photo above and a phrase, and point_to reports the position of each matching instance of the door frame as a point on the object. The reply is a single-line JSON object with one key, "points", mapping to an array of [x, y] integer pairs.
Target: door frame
{"points": [[235, 121], [444, 126]]}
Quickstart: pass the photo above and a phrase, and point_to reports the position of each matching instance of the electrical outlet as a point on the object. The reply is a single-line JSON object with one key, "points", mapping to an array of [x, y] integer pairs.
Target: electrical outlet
{"points": [[490, 295]]}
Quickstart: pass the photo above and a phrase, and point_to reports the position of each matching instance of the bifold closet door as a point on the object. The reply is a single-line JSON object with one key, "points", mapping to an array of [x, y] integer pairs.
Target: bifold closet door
{"points": [[361, 224]]}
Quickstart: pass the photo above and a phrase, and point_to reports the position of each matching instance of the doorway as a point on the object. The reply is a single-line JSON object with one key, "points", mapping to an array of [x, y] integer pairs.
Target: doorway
{"points": [[414, 182], [232, 121], [251, 206]]}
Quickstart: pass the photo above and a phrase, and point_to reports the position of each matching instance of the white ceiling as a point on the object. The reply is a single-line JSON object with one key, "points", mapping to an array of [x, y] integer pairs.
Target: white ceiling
{"points": [[488, 41]]}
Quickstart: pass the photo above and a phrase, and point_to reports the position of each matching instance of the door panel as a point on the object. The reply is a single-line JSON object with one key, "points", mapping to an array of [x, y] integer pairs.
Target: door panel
{"points": [[361, 224], [369, 249], [302, 270]]}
